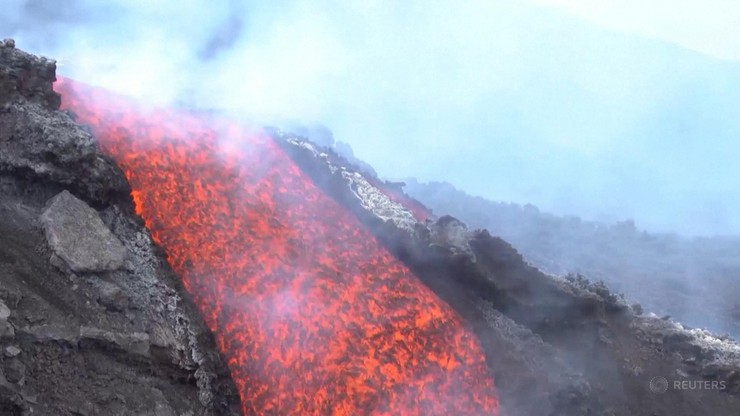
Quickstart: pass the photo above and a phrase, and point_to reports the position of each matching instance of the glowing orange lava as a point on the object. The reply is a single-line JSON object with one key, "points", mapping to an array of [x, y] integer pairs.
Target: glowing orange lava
{"points": [[312, 315]]}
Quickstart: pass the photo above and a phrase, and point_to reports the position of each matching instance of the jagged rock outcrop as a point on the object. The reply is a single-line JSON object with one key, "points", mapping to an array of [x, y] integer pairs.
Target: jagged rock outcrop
{"points": [[92, 319], [39, 142]]}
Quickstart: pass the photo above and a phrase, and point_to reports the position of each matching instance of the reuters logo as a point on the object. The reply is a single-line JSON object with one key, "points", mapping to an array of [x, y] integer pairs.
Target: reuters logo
{"points": [[658, 385]]}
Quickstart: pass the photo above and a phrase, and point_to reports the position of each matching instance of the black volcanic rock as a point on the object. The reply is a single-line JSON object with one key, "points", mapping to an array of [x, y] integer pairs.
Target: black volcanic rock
{"points": [[28, 77], [692, 279], [126, 340], [39, 142]]}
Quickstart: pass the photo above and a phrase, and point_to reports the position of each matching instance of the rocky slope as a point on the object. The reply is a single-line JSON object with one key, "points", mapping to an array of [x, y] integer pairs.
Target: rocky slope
{"points": [[93, 321], [691, 279], [556, 346]]}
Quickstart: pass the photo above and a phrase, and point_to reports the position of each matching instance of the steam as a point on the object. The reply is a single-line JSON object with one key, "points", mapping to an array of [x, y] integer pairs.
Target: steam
{"points": [[509, 100]]}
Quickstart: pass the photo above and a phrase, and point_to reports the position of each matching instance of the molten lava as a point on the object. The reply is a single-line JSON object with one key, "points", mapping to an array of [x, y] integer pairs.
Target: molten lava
{"points": [[312, 315]]}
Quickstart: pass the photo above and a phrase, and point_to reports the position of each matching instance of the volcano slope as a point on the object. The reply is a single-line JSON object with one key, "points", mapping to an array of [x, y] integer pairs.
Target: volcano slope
{"points": [[130, 340], [110, 337], [693, 279]]}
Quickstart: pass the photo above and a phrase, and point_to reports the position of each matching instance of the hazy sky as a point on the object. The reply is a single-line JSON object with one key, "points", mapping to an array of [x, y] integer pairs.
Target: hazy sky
{"points": [[608, 110], [711, 27]]}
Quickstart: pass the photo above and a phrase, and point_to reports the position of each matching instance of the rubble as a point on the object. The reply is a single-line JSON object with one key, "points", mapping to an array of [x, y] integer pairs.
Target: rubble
{"points": [[378, 203]]}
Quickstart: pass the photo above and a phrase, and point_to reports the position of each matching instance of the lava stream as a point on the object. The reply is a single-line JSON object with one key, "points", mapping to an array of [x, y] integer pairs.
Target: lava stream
{"points": [[312, 315]]}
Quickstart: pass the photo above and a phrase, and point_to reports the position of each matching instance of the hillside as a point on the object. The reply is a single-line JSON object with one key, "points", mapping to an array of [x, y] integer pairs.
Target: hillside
{"points": [[172, 263], [695, 280]]}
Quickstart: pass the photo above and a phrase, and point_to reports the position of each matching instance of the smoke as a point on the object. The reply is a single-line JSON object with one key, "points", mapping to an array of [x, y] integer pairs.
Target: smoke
{"points": [[509, 100]]}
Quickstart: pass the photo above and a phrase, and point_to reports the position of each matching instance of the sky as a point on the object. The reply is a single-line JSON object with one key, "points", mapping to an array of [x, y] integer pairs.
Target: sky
{"points": [[710, 27], [607, 110]]}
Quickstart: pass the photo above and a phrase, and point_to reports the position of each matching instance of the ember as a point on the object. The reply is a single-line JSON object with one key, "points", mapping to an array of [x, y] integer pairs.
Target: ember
{"points": [[311, 314]]}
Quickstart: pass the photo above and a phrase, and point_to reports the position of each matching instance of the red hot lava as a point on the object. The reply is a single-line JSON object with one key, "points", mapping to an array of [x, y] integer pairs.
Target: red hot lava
{"points": [[312, 315]]}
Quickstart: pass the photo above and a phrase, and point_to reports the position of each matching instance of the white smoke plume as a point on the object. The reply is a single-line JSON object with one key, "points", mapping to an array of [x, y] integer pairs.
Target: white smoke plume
{"points": [[511, 100]]}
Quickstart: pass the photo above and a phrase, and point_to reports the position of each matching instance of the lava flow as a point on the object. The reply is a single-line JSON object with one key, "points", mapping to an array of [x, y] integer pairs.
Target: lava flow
{"points": [[312, 315]]}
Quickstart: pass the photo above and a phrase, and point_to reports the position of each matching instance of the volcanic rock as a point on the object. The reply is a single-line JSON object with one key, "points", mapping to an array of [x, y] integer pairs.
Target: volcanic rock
{"points": [[4, 311], [539, 367], [46, 333], [12, 351], [15, 371], [6, 329], [161, 407], [111, 295], [86, 340], [78, 236], [38, 141], [136, 343], [452, 234]]}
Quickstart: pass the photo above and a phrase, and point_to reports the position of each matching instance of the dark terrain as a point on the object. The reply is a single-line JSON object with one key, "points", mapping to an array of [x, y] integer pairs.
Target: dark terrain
{"points": [[97, 335], [109, 338], [694, 280]]}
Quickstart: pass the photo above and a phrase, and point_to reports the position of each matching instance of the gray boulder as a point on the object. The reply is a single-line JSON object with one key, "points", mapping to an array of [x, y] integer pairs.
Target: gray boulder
{"points": [[78, 236]]}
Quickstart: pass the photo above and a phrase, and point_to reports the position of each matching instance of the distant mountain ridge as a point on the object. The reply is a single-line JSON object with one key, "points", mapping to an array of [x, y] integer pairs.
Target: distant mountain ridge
{"points": [[695, 280]]}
